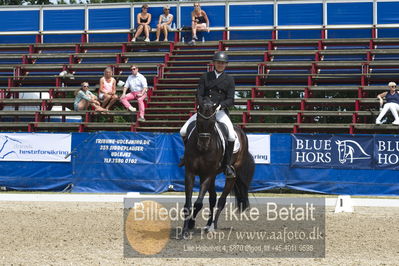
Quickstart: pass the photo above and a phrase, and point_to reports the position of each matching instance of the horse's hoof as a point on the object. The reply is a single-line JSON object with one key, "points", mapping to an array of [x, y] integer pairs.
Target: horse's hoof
{"points": [[191, 224], [186, 235], [209, 228]]}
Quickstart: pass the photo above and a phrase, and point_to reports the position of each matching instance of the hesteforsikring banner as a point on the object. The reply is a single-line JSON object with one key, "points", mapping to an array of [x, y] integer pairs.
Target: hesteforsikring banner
{"points": [[35, 147]]}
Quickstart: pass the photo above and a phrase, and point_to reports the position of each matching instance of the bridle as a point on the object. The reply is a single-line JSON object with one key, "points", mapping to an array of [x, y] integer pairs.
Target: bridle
{"points": [[205, 135]]}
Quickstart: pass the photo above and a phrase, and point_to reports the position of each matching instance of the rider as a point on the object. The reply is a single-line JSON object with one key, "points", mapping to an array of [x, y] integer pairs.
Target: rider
{"points": [[220, 88]]}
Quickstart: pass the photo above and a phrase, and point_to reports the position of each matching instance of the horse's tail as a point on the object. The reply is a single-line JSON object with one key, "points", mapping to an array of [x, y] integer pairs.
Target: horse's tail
{"points": [[244, 177]]}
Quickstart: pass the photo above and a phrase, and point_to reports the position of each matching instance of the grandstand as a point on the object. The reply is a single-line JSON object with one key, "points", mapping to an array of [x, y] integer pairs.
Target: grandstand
{"points": [[289, 78]]}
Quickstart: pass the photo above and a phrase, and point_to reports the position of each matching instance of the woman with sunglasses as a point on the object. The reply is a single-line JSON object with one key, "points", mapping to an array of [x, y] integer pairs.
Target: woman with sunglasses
{"points": [[392, 104], [165, 20], [200, 21], [84, 97], [143, 21]]}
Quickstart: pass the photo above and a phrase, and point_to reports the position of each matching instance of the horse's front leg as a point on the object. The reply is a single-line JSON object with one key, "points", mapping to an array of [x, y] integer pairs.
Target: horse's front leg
{"points": [[222, 200], [189, 183], [212, 204], [198, 203]]}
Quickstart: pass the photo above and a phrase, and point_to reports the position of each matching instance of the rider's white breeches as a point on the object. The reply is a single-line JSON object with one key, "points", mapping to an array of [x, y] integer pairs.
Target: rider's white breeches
{"points": [[221, 117], [393, 107]]}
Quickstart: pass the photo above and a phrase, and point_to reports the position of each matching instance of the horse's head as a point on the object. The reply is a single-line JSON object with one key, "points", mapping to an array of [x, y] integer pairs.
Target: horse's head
{"points": [[206, 119], [344, 151], [341, 151]]}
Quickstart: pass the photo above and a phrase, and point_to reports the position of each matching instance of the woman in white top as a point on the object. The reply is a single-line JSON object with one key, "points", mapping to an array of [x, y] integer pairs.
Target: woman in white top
{"points": [[107, 91], [165, 20]]}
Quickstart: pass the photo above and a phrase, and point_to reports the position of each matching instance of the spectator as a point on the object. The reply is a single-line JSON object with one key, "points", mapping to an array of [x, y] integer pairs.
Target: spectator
{"points": [[200, 21], [392, 104], [143, 21], [137, 84], [107, 91], [84, 98], [165, 20]]}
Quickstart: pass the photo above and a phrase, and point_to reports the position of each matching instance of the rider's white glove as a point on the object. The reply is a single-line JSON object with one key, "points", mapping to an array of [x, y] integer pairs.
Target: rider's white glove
{"points": [[218, 108]]}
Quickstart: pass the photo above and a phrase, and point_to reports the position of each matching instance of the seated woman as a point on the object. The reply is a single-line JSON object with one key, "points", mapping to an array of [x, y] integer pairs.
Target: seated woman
{"points": [[200, 21], [165, 20], [84, 98], [107, 91], [143, 21], [392, 104]]}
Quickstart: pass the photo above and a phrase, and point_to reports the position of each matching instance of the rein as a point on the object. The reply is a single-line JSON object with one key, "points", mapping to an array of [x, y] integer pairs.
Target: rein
{"points": [[207, 117]]}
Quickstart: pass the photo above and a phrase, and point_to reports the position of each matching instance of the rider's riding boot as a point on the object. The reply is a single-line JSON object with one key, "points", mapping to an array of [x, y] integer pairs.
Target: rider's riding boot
{"points": [[181, 163], [229, 170]]}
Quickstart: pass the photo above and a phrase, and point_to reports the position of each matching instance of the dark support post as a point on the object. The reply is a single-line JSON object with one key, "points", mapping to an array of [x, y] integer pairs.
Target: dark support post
{"points": [[155, 82], [351, 129], [220, 46], [360, 92], [295, 129], [32, 49], [31, 127], [274, 34], [253, 92], [357, 105], [78, 49], [167, 57], [323, 33], [245, 116], [299, 118], [249, 105], [83, 38], [124, 48], [225, 33], [81, 128], [39, 38], [176, 37], [354, 118], [171, 47], [373, 33], [320, 45], [302, 105]]}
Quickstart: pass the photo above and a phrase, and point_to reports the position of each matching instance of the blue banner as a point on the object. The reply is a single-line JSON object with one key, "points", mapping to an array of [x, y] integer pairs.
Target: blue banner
{"points": [[147, 162], [386, 152], [345, 151], [118, 160]]}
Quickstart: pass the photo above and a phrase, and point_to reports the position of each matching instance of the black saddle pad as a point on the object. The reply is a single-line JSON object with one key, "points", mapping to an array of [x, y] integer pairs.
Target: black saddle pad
{"points": [[224, 130], [190, 128]]}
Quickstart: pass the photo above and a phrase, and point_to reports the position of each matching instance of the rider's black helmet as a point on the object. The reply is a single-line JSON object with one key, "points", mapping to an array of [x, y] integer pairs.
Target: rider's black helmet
{"points": [[221, 56]]}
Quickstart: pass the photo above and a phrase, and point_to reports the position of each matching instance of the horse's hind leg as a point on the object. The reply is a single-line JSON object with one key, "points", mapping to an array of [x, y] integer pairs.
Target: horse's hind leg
{"points": [[198, 203], [222, 200]]}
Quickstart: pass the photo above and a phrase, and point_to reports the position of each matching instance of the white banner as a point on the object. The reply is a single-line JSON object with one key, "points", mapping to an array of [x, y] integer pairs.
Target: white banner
{"points": [[259, 147], [35, 147]]}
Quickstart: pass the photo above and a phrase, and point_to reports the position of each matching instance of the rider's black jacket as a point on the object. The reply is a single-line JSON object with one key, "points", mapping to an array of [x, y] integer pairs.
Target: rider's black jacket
{"points": [[220, 91]]}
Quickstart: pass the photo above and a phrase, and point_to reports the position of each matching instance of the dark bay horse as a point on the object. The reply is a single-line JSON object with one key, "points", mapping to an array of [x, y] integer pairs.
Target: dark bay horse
{"points": [[203, 157]]}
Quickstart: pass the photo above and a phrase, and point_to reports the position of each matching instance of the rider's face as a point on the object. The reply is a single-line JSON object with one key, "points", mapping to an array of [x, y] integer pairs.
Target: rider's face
{"points": [[220, 66]]}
